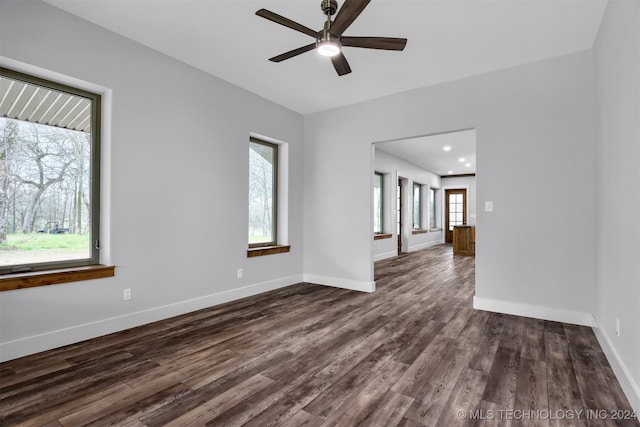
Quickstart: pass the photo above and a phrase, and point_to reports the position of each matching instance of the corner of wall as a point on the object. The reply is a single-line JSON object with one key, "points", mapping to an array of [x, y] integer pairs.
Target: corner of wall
{"points": [[533, 311], [336, 282], [620, 369]]}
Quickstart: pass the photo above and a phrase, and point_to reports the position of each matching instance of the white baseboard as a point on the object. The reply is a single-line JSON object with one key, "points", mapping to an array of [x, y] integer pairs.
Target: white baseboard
{"points": [[534, 311], [35, 344], [629, 386], [354, 285], [380, 257]]}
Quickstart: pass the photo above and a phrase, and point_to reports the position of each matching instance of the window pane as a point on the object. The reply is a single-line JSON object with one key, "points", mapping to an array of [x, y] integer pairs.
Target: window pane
{"points": [[377, 203], [432, 208], [46, 180], [262, 175], [417, 210]]}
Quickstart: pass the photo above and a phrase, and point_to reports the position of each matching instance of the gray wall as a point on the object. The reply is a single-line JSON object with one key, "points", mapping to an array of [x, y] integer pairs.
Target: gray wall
{"points": [[175, 203], [535, 160], [617, 63]]}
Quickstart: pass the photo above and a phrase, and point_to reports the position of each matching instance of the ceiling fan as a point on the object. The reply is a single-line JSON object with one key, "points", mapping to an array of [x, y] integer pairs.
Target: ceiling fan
{"points": [[329, 40]]}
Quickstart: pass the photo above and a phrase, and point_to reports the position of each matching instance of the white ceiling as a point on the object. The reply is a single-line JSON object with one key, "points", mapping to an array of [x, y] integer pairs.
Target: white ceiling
{"points": [[428, 152], [447, 40]]}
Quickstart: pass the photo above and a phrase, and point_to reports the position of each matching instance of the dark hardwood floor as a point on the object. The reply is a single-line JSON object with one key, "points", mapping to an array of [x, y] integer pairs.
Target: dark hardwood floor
{"points": [[412, 353]]}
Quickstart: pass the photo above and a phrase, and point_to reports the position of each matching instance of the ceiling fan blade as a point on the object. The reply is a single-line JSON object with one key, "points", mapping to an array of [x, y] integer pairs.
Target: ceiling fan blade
{"points": [[340, 64], [384, 43], [292, 53], [278, 19], [349, 11]]}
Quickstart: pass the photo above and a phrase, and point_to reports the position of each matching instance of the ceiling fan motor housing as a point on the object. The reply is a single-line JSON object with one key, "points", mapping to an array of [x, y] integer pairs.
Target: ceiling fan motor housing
{"points": [[329, 7], [325, 35]]}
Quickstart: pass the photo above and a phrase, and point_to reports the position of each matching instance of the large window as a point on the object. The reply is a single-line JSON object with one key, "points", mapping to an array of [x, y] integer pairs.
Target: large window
{"points": [[263, 200], [432, 208], [49, 174], [417, 206], [377, 203]]}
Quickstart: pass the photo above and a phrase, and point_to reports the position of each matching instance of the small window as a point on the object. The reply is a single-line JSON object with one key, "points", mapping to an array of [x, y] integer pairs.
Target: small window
{"points": [[378, 194], [432, 208], [49, 174], [263, 200], [417, 206]]}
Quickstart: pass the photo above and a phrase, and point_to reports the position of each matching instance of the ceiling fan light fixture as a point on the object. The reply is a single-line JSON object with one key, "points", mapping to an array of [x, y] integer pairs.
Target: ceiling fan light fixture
{"points": [[329, 40], [328, 48]]}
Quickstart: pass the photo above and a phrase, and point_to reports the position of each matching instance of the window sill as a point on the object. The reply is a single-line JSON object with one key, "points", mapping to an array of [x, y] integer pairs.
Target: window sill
{"points": [[419, 231], [268, 250], [436, 229], [381, 236], [11, 282]]}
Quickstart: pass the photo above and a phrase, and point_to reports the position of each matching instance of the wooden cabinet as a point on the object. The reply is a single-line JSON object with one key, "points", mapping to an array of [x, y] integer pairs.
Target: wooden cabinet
{"points": [[464, 240]]}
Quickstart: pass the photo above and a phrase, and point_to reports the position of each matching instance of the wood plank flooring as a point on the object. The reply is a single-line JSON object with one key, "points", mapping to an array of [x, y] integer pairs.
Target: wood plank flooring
{"points": [[414, 353]]}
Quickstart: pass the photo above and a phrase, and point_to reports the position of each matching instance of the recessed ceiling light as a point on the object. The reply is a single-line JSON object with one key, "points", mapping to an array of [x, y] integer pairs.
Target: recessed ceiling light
{"points": [[447, 148], [461, 159], [450, 172], [467, 164]]}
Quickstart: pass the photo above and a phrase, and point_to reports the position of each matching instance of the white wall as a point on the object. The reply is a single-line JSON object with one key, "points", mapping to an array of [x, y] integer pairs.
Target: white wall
{"points": [[536, 251], [617, 64], [468, 182], [178, 185], [394, 167]]}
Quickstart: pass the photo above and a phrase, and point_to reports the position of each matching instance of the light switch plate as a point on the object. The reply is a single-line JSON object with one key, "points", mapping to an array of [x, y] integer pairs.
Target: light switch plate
{"points": [[488, 206]]}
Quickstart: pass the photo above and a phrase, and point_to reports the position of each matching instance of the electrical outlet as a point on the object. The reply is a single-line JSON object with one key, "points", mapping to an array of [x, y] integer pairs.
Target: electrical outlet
{"points": [[617, 326], [240, 272], [126, 295]]}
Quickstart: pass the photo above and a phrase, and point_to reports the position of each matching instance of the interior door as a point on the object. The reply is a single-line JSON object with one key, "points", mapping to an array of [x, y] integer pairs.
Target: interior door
{"points": [[455, 208]]}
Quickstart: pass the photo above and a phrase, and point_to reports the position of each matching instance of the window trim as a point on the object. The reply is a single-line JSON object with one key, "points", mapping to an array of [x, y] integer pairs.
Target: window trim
{"points": [[95, 162], [268, 250], [12, 282], [275, 201]]}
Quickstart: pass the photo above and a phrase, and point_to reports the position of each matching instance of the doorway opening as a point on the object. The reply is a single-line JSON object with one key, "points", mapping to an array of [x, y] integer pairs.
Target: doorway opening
{"points": [[411, 207]]}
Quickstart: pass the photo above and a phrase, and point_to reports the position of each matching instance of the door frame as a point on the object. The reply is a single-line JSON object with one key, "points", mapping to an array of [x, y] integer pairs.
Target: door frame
{"points": [[443, 207], [403, 183]]}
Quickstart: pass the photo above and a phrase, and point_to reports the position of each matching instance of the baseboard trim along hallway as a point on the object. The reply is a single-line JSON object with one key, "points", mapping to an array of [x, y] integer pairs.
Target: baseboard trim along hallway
{"points": [[336, 282], [533, 311]]}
